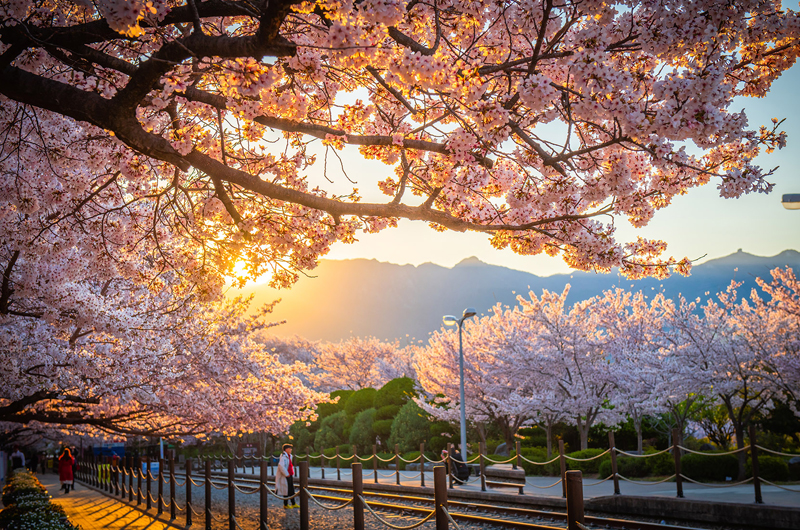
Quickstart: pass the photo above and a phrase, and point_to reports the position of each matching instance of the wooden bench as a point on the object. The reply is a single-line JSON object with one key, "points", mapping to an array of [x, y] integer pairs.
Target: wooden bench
{"points": [[505, 477]]}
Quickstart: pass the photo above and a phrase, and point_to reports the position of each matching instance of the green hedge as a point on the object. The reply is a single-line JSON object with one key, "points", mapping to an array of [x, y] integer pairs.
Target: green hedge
{"points": [[772, 468], [709, 467], [27, 506], [626, 466], [590, 467]]}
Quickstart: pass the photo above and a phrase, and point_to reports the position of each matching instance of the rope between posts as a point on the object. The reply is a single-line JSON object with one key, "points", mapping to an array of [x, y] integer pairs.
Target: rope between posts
{"points": [[387, 459], [409, 461], [323, 505], [499, 461], [198, 514], [180, 484], [776, 452], [215, 517], [178, 507], [556, 483], [233, 518], [447, 513], [465, 461], [440, 461], [396, 527], [218, 487], [345, 457], [634, 455], [411, 477], [468, 481], [645, 483], [587, 459], [581, 526], [195, 483], [777, 486], [388, 475], [716, 485], [600, 481], [275, 494], [714, 454], [365, 458], [539, 463], [149, 494], [240, 490]]}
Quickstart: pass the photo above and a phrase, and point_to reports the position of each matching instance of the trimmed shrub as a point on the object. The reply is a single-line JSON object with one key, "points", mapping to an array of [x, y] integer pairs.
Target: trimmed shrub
{"points": [[28, 506], [709, 467], [772, 468], [388, 412], [538, 454], [360, 401], [332, 431], [626, 466], [383, 428], [395, 392], [437, 443], [592, 466], [361, 433], [410, 428], [663, 464]]}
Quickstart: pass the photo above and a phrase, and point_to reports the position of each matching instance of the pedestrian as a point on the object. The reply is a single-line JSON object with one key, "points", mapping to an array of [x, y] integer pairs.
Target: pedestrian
{"points": [[283, 477], [460, 467], [34, 461], [445, 461], [17, 459], [65, 463]]}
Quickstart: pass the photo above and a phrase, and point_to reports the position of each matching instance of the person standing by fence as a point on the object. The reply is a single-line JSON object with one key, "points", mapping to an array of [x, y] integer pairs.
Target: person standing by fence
{"points": [[17, 459], [65, 462], [284, 485]]}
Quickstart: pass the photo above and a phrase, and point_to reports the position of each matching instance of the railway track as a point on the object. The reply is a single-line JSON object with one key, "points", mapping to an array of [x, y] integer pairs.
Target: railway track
{"points": [[421, 505]]}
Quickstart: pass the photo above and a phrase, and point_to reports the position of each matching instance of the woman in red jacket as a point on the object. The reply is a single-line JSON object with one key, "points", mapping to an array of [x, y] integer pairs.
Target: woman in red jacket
{"points": [[65, 462]]}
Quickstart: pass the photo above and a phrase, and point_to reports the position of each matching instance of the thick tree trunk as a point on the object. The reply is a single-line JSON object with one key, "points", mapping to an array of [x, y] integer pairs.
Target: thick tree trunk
{"points": [[583, 430], [742, 455], [639, 444]]}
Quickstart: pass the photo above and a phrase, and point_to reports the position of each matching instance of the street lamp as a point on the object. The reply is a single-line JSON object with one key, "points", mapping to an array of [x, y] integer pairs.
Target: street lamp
{"points": [[450, 320], [791, 201]]}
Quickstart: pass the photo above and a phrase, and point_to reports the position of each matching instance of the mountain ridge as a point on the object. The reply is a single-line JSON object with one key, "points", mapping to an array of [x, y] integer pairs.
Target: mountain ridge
{"points": [[390, 301]]}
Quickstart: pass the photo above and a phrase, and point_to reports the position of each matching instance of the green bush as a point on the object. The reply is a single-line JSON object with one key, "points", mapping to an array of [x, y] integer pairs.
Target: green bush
{"points": [[592, 466], [708, 467], [387, 412], [539, 454], [360, 401], [332, 431], [663, 464], [395, 392], [626, 466], [410, 428], [772, 468], [383, 428], [27, 506], [361, 433], [437, 443]]}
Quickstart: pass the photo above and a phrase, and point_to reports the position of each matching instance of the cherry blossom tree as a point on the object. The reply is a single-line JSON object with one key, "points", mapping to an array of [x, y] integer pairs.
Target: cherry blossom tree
{"points": [[353, 364], [536, 123]]}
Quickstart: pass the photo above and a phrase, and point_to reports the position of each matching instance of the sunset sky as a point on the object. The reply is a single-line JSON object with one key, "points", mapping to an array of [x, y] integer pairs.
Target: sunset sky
{"points": [[700, 225]]}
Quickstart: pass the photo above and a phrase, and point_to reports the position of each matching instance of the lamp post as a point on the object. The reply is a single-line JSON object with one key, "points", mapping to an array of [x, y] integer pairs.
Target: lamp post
{"points": [[450, 320], [791, 201]]}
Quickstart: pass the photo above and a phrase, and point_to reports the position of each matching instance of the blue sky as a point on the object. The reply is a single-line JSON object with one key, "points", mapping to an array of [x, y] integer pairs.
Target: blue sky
{"points": [[700, 224]]}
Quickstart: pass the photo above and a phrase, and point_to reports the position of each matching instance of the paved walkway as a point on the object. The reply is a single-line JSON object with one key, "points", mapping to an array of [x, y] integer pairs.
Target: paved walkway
{"points": [[94, 511]]}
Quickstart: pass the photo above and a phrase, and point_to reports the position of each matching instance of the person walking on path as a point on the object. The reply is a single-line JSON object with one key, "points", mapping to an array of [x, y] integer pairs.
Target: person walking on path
{"points": [[283, 479], [65, 463], [17, 459]]}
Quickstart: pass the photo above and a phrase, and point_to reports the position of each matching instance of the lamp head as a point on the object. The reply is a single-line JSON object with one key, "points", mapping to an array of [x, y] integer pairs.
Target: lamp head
{"points": [[450, 320], [791, 201], [470, 312]]}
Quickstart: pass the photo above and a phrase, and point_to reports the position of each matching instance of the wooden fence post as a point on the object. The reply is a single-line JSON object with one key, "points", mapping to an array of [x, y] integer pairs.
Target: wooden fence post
{"points": [[397, 463], [358, 491], [322, 462], [303, 496], [562, 460], [754, 462], [375, 462], [422, 465], [188, 484], [231, 494], [676, 454], [134, 468], [482, 462], [263, 497], [338, 466], [574, 500], [149, 485], [518, 460], [208, 494], [440, 497], [172, 507], [612, 445], [160, 507]]}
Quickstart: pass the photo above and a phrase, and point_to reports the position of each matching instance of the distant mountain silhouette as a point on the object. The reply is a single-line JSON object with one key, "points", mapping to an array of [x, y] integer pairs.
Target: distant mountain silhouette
{"points": [[367, 297]]}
